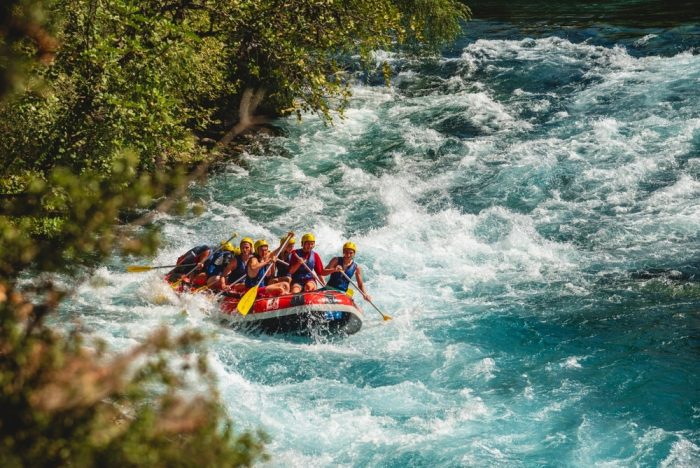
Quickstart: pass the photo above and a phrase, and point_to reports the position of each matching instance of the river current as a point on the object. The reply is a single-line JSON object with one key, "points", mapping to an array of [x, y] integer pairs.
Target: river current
{"points": [[526, 209]]}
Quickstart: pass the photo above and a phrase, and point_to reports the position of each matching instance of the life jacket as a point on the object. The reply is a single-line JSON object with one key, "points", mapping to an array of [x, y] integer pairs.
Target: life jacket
{"points": [[253, 281], [302, 275], [339, 281], [240, 269], [218, 262], [282, 269]]}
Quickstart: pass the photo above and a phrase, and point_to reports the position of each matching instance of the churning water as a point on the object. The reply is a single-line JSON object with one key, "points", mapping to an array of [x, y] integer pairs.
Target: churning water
{"points": [[526, 208]]}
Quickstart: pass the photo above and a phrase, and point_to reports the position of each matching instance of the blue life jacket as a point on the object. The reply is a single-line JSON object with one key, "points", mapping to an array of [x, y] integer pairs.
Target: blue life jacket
{"points": [[302, 275], [239, 271], [282, 269], [218, 262], [250, 282], [339, 281]]}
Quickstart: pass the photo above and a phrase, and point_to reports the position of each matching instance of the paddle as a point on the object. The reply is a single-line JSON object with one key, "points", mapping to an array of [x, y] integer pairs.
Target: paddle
{"points": [[223, 290], [248, 298], [215, 282], [322, 283], [140, 269], [176, 283], [386, 317]]}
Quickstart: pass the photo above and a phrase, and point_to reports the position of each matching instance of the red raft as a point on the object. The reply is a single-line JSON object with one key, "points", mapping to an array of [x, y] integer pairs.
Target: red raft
{"points": [[317, 311], [302, 313]]}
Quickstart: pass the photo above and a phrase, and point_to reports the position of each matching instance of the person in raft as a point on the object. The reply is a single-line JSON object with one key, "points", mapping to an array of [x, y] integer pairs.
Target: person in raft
{"points": [[346, 264], [235, 270], [198, 255], [301, 276], [214, 267], [282, 264], [262, 265]]}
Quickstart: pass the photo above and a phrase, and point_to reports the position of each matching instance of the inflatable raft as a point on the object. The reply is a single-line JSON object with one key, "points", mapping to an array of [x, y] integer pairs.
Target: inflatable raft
{"points": [[302, 313], [306, 312]]}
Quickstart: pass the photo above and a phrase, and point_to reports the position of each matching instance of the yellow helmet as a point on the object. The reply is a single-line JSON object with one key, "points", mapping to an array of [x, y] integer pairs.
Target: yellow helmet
{"points": [[308, 237], [246, 239], [226, 246], [236, 250], [260, 243], [350, 245], [291, 241]]}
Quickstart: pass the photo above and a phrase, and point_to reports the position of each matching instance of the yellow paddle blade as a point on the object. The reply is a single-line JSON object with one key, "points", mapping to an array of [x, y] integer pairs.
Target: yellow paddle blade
{"points": [[199, 289], [176, 284], [139, 269], [247, 301], [350, 292], [386, 317]]}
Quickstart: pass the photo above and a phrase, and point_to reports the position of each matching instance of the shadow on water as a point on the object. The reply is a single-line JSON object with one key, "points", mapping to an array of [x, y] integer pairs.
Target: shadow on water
{"points": [[629, 13], [669, 27]]}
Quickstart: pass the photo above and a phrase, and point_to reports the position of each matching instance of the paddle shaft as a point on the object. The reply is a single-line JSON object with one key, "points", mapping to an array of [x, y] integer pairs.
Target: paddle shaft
{"points": [[218, 281], [142, 269], [235, 282], [174, 266], [363, 294], [322, 283]]}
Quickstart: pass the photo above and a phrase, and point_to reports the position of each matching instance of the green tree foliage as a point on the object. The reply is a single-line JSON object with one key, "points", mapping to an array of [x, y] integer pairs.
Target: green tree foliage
{"points": [[144, 74], [68, 402], [102, 103], [22, 20]]}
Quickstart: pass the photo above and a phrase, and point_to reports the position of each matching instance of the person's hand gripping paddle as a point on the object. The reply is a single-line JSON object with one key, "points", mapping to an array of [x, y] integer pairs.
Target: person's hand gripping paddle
{"points": [[247, 301], [313, 273]]}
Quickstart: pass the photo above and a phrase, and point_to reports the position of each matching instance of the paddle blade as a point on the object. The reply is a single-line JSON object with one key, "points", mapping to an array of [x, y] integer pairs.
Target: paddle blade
{"points": [[139, 269], [247, 301], [350, 292], [386, 317], [199, 289]]}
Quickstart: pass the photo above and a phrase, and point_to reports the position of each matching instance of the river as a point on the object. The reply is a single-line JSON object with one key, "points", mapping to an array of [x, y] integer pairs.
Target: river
{"points": [[525, 207]]}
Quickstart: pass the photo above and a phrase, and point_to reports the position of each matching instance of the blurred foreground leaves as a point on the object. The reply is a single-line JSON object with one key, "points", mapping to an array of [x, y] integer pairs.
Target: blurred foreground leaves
{"points": [[65, 401], [66, 404]]}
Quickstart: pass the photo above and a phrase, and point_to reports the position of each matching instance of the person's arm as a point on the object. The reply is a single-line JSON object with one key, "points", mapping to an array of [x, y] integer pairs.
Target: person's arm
{"points": [[202, 258], [255, 265], [361, 284], [230, 267], [318, 268], [330, 268], [294, 263], [276, 252]]}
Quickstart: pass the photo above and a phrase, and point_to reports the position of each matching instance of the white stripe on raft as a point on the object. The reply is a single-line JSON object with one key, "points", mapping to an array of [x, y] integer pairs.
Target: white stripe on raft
{"points": [[290, 311]]}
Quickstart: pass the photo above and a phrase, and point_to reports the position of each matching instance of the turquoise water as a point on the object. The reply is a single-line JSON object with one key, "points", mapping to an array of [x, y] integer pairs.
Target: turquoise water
{"points": [[526, 208]]}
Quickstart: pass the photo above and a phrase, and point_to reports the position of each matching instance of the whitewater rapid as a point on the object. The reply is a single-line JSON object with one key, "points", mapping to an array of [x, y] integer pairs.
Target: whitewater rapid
{"points": [[527, 212]]}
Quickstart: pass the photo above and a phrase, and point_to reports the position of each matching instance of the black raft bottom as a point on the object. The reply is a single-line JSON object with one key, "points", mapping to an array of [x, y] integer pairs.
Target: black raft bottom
{"points": [[308, 323]]}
